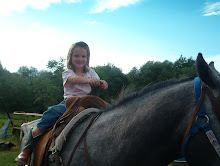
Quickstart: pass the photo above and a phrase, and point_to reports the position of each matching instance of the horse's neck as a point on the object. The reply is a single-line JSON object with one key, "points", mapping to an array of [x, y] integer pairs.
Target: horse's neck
{"points": [[156, 122], [170, 107]]}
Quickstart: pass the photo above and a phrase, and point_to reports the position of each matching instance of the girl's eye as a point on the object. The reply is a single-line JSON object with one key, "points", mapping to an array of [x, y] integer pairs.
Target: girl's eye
{"points": [[83, 56]]}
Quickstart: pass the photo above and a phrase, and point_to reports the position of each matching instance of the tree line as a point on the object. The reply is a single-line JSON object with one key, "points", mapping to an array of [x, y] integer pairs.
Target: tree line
{"points": [[31, 90]]}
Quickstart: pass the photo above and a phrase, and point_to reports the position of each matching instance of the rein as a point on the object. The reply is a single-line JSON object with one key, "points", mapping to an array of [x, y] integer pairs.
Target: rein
{"points": [[200, 90], [83, 137]]}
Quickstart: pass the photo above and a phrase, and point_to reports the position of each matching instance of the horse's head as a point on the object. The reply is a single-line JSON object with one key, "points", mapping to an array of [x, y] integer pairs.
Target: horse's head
{"points": [[211, 77], [207, 73], [200, 149]]}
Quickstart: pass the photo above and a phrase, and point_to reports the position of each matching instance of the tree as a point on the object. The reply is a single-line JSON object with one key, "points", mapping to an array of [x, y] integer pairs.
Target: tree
{"points": [[115, 78], [152, 72], [46, 91], [56, 66], [48, 86], [185, 67], [32, 91], [4, 74], [28, 73], [1, 67], [133, 78], [16, 92]]}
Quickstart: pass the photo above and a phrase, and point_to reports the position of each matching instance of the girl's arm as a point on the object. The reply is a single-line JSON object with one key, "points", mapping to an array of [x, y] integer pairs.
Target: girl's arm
{"points": [[83, 80]]}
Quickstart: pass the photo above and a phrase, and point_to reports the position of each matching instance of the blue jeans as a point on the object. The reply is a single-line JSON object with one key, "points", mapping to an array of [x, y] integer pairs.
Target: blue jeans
{"points": [[50, 116]]}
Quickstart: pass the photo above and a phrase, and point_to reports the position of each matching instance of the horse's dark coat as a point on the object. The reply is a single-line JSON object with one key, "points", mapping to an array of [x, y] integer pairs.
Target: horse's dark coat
{"points": [[146, 128], [152, 88]]}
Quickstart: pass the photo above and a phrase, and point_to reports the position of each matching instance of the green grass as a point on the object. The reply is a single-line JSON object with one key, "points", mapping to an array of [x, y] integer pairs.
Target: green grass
{"points": [[7, 156]]}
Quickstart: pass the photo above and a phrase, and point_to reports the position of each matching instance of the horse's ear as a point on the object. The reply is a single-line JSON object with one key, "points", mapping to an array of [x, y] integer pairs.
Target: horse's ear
{"points": [[207, 74], [211, 65]]}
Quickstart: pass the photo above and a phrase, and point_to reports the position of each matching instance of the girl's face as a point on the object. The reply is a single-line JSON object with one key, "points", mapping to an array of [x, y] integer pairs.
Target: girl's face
{"points": [[79, 58]]}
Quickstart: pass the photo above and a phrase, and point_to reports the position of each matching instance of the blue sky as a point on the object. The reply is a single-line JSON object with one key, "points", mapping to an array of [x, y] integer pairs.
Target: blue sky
{"points": [[126, 33]]}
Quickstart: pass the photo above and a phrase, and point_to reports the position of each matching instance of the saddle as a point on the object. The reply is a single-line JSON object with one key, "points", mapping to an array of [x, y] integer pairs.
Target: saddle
{"points": [[74, 105]]}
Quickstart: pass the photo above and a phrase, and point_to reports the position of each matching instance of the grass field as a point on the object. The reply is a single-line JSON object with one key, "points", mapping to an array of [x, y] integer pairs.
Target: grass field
{"points": [[7, 157]]}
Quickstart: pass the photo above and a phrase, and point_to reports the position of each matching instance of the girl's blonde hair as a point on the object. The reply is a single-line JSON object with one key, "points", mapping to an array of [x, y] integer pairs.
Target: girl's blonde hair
{"points": [[70, 53]]}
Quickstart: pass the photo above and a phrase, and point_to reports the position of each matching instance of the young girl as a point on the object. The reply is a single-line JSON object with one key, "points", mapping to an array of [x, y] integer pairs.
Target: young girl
{"points": [[77, 81]]}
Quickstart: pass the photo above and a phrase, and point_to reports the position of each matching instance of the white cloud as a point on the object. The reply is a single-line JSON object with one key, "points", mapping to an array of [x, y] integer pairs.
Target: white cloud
{"points": [[128, 62], [92, 22], [35, 45], [32, 46], [73, 1], [212, 9], [7, 7], [111, 5], [124, 59]]}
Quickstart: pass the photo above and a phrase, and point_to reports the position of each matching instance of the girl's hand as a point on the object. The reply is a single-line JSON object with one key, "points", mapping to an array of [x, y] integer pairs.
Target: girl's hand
{"points": [[94, 82], [104, 85]]}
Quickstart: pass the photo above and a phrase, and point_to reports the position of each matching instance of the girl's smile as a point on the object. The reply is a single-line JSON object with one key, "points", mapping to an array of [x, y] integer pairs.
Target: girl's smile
{"points": [[79, 58]]}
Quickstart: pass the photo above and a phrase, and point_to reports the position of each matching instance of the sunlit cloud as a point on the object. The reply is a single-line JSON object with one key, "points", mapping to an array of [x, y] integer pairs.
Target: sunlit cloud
{"points": [[132, 61], [124, 60], [212, 9], [111, 5], [92, 22], [117, 60], [33, 46], [7, 7], [73, 1]]}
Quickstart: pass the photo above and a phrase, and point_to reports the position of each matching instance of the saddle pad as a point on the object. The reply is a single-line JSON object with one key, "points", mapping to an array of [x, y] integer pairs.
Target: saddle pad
{"points": [[59, 141], [26, 127]]}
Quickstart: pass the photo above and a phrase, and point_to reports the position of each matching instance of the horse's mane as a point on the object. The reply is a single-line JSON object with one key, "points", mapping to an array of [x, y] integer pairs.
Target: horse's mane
{"points": [[127, 97]]}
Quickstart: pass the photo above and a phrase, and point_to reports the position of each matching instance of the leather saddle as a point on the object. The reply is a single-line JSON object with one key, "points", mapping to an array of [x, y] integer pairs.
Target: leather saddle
{"points": [[74, 105]]}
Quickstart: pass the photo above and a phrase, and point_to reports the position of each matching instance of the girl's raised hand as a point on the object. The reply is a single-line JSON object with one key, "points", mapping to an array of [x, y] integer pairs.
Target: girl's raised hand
{"points": [[104, 85], [94, 82]]}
